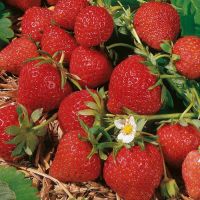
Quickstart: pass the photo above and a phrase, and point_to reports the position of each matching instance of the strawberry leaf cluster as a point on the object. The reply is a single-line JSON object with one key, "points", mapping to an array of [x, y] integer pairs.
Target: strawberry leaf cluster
{"points": [[14, 185], [6, 32]]}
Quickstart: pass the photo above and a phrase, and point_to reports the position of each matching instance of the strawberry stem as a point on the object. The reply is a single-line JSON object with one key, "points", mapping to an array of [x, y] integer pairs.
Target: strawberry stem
{"points": [[46, 122], [120, 45], [159, 116]]}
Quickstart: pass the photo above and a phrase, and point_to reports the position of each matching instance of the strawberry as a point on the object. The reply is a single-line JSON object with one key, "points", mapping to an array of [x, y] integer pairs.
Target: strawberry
{"points": [[65, 12], [52, 2], [191, 174], [93, 26], [71, 161], [34, 21], [8, 117], [134, 173], [24, 4], [56, 39], [92, 67], [177, 141], [18, 51], [155, 22], [188, 48], [69, 108], [40, 87], [129, 87]]}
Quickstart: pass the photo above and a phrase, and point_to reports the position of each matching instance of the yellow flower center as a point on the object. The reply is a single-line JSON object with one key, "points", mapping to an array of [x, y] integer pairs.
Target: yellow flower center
{"points": [[128, 129]]}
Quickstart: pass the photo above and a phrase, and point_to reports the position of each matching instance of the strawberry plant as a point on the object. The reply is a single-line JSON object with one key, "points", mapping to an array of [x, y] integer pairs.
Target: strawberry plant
{"points": [[100, 97]]}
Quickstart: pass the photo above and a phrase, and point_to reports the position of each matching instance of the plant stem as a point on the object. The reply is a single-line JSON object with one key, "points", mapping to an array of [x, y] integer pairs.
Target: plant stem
{"points": [[187, 110], [120, 45], [134, 34], [167, 76], [165, 116], [166, 178], [159, 116], [46, 122], [161, 56], [109, 127]]}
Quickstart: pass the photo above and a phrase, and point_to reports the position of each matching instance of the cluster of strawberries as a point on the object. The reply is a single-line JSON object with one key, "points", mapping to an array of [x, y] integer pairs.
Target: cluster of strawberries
{"points": [[96, 122]]}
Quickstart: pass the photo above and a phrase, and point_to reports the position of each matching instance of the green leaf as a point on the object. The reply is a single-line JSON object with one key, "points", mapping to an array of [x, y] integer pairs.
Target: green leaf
{"points": [[127, 3], [166, 98], [123, 30], [169, 188], [91, 105], [83, 125], [41, 132], [37, 114], [23, 116], [17, 183], [6, 32], [102, 155], [5, 192], [2, 6], [18, 139], [31, 144], [166, 47], [140, 124], [95, 97], [13, 130], [189, 11], [87, 112], [19, 150]]}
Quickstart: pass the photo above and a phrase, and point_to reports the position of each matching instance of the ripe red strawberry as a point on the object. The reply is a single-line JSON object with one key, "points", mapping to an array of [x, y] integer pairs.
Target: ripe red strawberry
{"points": [[24, 4], [129, 87], [191, 174], [155, 22], [34, 21], [8, 117], [40, 87], [65, 12], [92, 67], [71, 162], [18, 51], [93, 26], [134, 173], [69, 108], [52, 2], [56, 39], [188, 48], [177, 141]]}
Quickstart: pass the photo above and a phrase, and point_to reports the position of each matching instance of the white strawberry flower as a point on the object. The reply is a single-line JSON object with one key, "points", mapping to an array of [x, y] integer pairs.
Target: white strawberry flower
{"points": [[127, 128]]}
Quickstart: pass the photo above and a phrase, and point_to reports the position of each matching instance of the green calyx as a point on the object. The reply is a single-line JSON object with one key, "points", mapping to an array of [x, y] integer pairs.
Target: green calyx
{"points": [[27, 135], [169, 188], [99, 138], [96, 108], [46, 58]]}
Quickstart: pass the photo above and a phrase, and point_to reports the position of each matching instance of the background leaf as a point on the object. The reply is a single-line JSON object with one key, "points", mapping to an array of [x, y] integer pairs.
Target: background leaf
{"points": [[127, 3], [189, 11], [5, 192], [17, 182], [6, 31]]}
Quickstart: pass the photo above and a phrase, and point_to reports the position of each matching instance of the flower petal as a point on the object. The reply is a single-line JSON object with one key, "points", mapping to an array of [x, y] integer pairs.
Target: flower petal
{"points": [[119, 123], [132, 122], [126, 138]]}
